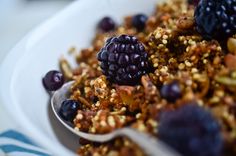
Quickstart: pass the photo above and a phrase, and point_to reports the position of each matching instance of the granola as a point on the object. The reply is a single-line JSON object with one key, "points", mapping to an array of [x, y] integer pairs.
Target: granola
{"points": [[204, 69]]}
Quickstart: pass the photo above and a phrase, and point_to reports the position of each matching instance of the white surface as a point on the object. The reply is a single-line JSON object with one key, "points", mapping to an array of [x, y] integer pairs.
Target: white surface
{"points": [[21, 89], [17, 17]]}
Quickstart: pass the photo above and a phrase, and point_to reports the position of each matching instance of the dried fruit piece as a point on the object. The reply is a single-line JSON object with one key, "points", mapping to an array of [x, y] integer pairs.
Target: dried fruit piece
{"points": [[126, 94], [230, 61]]}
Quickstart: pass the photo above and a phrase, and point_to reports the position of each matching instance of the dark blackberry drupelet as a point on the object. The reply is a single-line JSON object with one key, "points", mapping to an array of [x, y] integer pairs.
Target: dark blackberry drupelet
{"points": [[68, 109], [106, 24], [53, 80], [216, 18], [139, 21], [191, 130], [124, 60]]}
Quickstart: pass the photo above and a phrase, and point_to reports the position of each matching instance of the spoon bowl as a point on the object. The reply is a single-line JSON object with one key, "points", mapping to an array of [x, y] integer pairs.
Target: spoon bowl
{"points": [[149, 144]]}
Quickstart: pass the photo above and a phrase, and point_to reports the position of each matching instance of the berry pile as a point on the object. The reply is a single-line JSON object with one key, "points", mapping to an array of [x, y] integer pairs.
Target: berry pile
{"points": [[124, 60], [216, 18]]}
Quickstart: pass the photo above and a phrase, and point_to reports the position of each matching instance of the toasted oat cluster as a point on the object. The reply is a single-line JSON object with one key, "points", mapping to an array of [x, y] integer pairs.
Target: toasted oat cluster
{"points": [[186, 68]]}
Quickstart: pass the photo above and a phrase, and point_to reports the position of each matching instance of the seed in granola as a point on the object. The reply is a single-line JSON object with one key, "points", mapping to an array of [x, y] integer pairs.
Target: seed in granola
{"points": [[181, 66], [191, 130], [171, 92], [53, 80], [68, 109], [124, 60], [139, 21]]}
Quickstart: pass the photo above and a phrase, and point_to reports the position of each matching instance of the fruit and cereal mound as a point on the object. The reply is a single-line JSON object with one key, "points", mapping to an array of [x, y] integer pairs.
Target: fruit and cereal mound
{"points": [[171, 75]]}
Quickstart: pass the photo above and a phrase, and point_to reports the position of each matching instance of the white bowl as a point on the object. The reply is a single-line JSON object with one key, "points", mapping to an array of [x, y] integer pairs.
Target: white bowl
{"points": [[21, 72]]}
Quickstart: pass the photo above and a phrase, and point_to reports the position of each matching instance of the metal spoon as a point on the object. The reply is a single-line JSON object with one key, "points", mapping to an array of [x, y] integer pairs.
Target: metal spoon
{"points": [[151, 146]]}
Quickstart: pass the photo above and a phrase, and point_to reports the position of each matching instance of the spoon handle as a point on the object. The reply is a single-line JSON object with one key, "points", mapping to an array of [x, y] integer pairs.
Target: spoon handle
{"points": [[150, 145]]}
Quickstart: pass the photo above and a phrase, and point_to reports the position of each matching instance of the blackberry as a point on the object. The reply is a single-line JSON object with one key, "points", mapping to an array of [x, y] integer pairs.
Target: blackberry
{"points": [[191, 130], [124, 60], [216, 18]]}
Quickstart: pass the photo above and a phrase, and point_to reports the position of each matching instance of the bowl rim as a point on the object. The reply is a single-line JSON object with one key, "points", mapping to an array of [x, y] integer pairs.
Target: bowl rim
{"points": [[7, 71]]}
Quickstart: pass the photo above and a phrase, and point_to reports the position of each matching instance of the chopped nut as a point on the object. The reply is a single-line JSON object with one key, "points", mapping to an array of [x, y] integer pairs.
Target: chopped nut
{"points": [[231, 44]]}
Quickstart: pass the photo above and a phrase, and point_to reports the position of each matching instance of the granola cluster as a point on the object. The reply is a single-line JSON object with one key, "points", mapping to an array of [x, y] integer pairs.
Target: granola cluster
{"points": [[205, 70]]}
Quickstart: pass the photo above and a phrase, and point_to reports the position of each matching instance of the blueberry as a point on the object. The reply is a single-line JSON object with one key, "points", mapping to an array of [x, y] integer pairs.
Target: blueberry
{"points": [[139, 21], [53, 80], [68, 109], [106, 24], [171, 92], [191, 130]]}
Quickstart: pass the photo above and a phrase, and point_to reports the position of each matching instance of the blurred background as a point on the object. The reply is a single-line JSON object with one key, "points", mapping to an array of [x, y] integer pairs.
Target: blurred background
{"points": [[17, 17]]}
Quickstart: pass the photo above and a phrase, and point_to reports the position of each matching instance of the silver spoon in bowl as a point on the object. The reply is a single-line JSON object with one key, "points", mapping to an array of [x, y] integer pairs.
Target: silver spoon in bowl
{"points": [[150, 145]]}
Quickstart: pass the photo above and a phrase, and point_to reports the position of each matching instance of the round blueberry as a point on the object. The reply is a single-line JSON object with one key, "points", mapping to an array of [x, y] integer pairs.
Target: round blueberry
{"points": [[171, 92], [106, 24], [53, 80], [68, 109], [139, 21]]}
